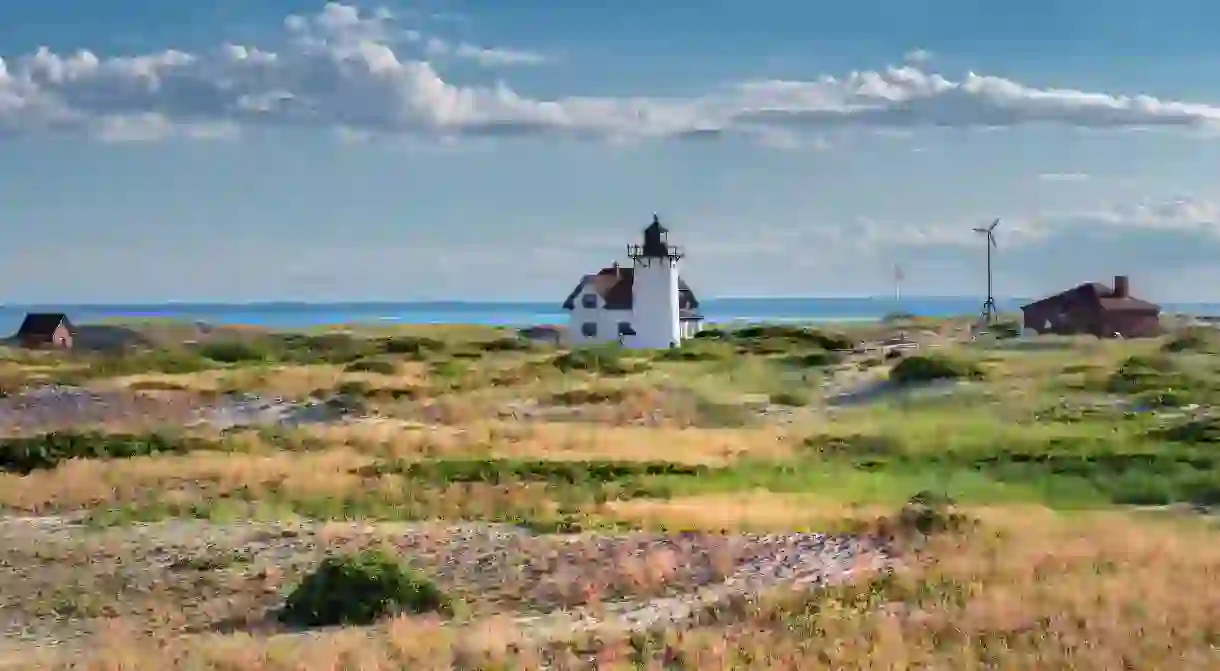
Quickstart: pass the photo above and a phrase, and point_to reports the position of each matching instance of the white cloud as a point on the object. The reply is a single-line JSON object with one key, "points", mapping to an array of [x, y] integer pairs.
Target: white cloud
{"points": [[917, 56], [1063, 177], [493, 57], [1181, 214], [344, 68]]}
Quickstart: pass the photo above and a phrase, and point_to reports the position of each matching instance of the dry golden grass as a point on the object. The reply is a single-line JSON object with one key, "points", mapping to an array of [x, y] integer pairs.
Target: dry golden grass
{"points": [[260, 471], [754, 511], [559, 440], [1031, 589], [1028, 590], [284, 381], [197, 477]]}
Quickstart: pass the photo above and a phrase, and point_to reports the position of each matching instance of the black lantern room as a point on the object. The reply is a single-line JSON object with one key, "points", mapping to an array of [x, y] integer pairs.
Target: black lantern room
{"points": [[656, 244]]}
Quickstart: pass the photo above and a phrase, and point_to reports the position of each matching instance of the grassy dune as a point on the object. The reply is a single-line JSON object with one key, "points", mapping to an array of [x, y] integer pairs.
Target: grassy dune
{"points": [[1087, 471]]}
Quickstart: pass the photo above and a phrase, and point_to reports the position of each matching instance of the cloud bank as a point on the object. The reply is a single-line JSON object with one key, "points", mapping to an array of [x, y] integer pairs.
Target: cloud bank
{"points": [[344, 68]]}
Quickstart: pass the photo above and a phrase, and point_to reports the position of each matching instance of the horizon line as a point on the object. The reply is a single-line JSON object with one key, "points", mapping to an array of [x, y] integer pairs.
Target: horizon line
{"points": [[468, 301]]}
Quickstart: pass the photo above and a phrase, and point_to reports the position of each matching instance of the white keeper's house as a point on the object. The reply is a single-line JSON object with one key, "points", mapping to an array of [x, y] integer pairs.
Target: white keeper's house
{"points": [[644, 306]]}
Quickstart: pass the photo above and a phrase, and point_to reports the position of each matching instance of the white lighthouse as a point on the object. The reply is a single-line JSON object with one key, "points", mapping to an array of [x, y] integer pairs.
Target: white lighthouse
{"points": [[646, 306], [654, 292]]}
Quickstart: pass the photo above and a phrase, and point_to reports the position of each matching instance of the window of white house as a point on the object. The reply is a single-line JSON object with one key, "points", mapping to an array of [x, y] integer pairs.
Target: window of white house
{"points": [[588, 301], [624, 328], [588, 329]]}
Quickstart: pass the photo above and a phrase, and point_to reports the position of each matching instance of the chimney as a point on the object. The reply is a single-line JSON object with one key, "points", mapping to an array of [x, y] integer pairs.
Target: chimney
{"points": [[1122, 286], [616, 272]]}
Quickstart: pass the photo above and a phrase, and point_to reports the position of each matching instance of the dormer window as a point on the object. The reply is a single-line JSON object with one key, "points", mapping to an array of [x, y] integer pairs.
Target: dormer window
{"points": [[588, 301]]}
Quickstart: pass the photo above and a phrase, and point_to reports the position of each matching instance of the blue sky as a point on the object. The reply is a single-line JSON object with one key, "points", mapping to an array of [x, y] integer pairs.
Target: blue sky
{"points": [[229, 150]]}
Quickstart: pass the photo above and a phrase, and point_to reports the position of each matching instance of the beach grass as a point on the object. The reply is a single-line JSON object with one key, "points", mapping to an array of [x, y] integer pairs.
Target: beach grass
{"points": [[1083, 466]]}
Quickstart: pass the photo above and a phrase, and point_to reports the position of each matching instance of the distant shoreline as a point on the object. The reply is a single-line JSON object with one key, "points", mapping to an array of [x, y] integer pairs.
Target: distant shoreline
{"points": [[174, 306], [285, 315]]}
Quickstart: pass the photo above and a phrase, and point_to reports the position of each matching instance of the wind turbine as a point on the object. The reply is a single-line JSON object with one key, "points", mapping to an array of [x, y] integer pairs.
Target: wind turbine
{"points": [[989, 308]]}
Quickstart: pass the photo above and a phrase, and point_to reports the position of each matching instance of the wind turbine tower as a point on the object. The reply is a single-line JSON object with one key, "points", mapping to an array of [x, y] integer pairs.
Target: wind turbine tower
{"points": [[989, 308]]}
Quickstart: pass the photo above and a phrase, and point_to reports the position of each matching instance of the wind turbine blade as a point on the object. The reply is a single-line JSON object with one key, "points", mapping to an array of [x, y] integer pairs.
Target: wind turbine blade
{"points": [[979, 230], [993, 225], [991, 239]]}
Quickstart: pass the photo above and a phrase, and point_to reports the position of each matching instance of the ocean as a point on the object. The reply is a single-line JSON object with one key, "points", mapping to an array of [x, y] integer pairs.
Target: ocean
{"points": [[718, 310]]}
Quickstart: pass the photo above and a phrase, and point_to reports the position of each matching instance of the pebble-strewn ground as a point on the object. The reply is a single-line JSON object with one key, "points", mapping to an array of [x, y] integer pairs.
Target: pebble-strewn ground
{"points": [[56, 407], [195, 576]]}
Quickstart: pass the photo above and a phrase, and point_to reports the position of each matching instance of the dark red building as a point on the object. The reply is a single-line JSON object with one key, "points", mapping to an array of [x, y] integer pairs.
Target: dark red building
{"points": [[45, 329], [1095, 309]]}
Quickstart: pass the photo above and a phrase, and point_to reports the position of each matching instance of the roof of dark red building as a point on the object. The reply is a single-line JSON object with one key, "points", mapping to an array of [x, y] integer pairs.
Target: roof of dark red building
{"points": [[614, 286], [1096, 293], [42, 324]]}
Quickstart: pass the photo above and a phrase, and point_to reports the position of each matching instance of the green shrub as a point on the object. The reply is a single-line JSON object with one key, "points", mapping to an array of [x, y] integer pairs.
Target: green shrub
{"points": [[467, 354], [415, 345], [1204, 430], [726, 415], [700, 351], [361, 589], [929, 513], [27, 454], [790, 398], [1146, 373], [172, 362], [408, 393], [1005, 329], [587, 396], [378, 366], [449, 369], [606, 360], [351, 398], [1161, 398], [929, 367], [857, 446], [356, 388], [813, 359], [334, 348], [796, 335], [505, 345], [233, 351], [1194, 339]]}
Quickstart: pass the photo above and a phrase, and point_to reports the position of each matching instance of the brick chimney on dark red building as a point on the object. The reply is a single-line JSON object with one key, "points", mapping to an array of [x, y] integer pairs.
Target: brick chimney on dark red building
{"points": [[1122, 286]]}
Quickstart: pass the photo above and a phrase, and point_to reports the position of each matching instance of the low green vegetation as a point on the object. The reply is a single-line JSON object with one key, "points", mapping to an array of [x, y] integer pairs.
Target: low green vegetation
{"points": [[587, 396], [1163, 380], [1086, 430], [928, 368], [512, 471], [378, 366], [360, 589], [1060, 463], [418, 346], [679, 440], [46, 451], [792, 398], [236, 348], [235, 351], [1194, 339], [768, 339], [81, 368], [603, 360]]}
